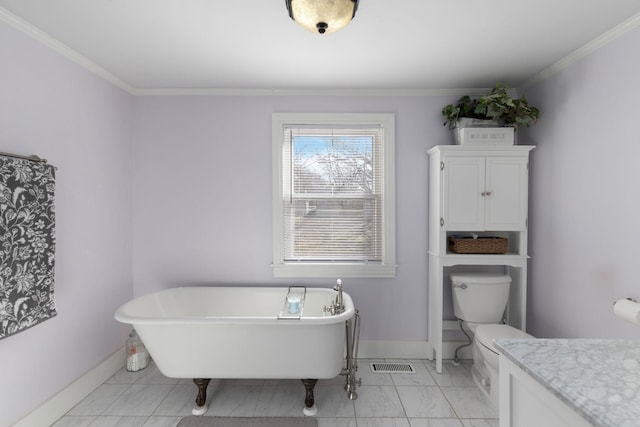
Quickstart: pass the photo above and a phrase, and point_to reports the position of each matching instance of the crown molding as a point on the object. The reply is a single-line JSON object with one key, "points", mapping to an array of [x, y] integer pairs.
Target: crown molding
{"points": [[310, 92], [584, 51], [64, 50]]}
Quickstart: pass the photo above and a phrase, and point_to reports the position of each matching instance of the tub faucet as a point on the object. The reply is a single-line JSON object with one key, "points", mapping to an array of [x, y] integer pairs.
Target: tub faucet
{"points": [[337, 306], [339, 301]]}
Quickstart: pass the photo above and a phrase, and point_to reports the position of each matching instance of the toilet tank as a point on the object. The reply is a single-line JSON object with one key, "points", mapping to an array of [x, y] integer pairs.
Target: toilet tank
{"points": [[480, 297]]}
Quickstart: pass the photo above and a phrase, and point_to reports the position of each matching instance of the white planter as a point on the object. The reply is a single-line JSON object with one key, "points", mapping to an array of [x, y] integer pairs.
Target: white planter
{"points": [[496, 136]]}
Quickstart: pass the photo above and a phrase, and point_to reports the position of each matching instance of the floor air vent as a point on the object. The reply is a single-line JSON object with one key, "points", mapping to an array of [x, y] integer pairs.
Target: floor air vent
{"points": [[392, 368]]}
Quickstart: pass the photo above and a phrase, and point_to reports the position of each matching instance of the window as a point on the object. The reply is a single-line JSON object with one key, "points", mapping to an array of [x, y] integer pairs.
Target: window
{"points": [[333, 195]]}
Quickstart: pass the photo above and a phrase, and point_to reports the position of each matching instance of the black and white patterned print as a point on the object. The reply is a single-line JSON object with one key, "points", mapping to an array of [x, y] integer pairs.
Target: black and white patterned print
{"points": [[27, 244]]}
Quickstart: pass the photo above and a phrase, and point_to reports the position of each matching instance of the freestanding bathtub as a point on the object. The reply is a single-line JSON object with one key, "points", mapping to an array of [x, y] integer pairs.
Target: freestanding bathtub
{"points": [[241, 332]]}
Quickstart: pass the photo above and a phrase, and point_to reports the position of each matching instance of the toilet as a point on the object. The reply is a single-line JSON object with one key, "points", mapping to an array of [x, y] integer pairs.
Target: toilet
{"points": [[479, 300]]}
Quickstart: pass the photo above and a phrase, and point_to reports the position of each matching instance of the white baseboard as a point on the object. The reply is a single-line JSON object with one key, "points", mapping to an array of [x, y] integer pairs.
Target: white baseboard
{"points": [[409, 350], [394, 350], [51, 410]]}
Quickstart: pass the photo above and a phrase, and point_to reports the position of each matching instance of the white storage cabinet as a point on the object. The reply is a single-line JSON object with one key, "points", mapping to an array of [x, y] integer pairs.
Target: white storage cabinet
{"points": [[484, 193], [482, 190]]}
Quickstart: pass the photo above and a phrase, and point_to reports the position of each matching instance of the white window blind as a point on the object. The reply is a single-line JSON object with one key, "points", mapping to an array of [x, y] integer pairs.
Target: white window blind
{"points": [[332, 202], [332, 191]]}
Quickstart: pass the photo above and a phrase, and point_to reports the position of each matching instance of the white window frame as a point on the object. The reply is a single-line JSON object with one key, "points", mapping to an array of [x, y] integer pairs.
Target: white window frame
{"points": [[331, 269]]}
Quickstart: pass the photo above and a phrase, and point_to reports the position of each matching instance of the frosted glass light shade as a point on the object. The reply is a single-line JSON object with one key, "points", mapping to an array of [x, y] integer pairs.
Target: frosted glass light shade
{"points": [[322, 16]]}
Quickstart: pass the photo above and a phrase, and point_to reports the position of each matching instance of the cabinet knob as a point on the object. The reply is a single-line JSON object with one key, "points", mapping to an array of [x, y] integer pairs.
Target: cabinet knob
{"points": [[486, 193]]}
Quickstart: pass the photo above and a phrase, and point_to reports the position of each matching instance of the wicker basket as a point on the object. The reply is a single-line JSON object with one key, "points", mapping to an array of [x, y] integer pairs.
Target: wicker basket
{"points": [[481, 245]]}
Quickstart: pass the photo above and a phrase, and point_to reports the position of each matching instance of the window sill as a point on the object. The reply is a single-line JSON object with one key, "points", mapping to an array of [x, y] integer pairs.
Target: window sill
{"points": [[330, 270]]}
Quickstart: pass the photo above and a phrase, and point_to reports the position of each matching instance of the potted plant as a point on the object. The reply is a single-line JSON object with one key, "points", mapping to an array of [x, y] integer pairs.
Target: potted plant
{"points": [[497, 109]]}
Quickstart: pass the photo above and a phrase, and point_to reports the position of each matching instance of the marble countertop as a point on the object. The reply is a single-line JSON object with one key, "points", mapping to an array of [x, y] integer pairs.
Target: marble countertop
{"points": [[599, 379]]}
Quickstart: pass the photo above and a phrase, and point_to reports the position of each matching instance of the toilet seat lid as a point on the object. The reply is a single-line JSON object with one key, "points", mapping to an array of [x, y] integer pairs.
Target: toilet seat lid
{"points": [[487, 333]]}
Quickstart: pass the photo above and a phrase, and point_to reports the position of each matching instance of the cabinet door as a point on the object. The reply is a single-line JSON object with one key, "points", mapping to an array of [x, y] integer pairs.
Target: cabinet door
{"points": [[462, 188], [506, 193]]}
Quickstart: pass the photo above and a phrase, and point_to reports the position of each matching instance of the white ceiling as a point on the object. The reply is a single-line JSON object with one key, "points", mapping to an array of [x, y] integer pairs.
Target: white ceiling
{"points": [[156, 45]]}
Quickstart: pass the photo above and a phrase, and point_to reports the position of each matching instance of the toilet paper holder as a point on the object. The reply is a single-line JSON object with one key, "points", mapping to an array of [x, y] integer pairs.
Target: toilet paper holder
{"points": [[627, 309], [629, 299]]}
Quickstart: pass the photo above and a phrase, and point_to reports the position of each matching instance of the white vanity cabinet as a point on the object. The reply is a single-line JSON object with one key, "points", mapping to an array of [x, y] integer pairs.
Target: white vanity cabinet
{"points": [[526, 403], [480, 190]]}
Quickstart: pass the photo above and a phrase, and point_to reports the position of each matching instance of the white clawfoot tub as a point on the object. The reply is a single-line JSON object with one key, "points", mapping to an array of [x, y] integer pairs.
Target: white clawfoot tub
{"points": [[235, 332]]}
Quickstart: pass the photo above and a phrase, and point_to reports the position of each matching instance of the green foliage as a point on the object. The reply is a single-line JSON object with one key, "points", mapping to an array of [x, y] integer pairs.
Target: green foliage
{"points": [[496, 105]]}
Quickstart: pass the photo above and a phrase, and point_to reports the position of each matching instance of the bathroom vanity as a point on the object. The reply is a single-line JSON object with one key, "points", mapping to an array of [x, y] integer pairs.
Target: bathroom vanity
{"points": [[576, 382], [477, 190]]}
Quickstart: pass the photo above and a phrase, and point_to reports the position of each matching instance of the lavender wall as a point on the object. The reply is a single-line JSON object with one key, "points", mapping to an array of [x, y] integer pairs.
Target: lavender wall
{"points": [[585, 199], [52, 108], [202, 199]]}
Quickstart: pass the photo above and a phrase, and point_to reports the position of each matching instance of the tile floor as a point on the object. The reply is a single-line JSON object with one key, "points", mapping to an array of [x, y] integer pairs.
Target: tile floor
{"points": [[424, 399]]}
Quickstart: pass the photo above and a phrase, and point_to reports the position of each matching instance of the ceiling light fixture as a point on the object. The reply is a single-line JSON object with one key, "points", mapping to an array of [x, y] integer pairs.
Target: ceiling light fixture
{"points": [[322, 16]]}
